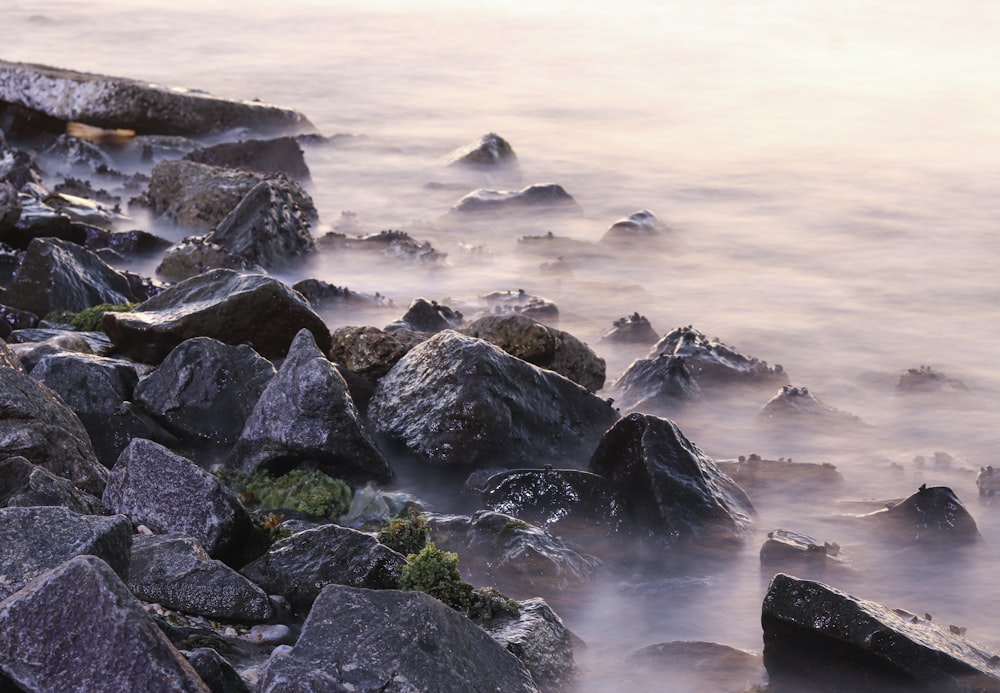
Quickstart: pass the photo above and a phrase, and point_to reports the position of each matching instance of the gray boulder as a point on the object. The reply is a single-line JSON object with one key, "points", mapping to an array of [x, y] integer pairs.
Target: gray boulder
{"points": [[205, 389], [631, 329], [369, 351], [536, 199], [713, 363], [488, 152], [169, 493], [637, 227], [300, 566], [174, 570], [412, 642], [540, 639], [195, 255], [543, 346], [116, 102], [79, 629], [23, 484], [660, 384], [279, 155], [932, 515], [426, 316], [233, 308], [458, 400], [306, 414], [36, 539], [796, 407], [197, 195]]}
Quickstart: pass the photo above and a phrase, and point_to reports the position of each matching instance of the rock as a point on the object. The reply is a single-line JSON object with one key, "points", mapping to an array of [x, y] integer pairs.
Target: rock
{"points": [[660, 384], [814, 633], [713, 363], [932, 515], [427, 316], [129, 243], [222, 304], [197, 195], [787, 549], [781, 477], [323, 295], [70, 154], [85, 213], [300, 566], [987, 481], [37, 539], [457, 400], [926, 380], [631, 329], [39, 427], [489, 151], [552, 246], [204, 390], [412, 642], [369, 351], [540, 639], [195, 255], [174, 570], [635, 228], [217, 673], [674, 491], [536, 199], [521, 303], [797, 406], [694, 665], [546, 347], [115, 102], [280, 155], [10, 207], [306, 414], [59, 275], [38, 220], [169, 493], [23, 484], [373, 506], [392, 244]]}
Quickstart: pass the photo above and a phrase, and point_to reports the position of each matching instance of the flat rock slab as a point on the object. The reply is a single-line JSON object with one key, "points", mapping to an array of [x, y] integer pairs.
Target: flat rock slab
{"points": [[151, 109]]}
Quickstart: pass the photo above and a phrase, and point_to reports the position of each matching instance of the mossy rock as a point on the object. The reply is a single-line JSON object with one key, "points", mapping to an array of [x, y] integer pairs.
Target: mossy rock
{"points": [[406, 535], [312, 493], [89, 319]]}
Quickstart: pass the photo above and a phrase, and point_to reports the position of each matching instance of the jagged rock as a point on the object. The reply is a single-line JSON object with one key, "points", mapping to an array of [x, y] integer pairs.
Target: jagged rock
{"points": [[787, 549], [695, 665], [222, 304], [279, 155], [797, 406], [816, 634], [781, 477], [426, 316], [522, 303], [631, 329], [300, 566], [217, 673], [196, 255], [324, 295], [36, 539], [23, 484], [457, 400], [204, 390], [72, 154], [412, 642], [391, 244], [169, 493], [38, 220], [926, 380], [306, 414], [657, 384], [174, 570], [635, 228], [537, 199], [489, 151], [713, 363], [546, 347], [79, 629], [540, 639], [197, 195], [116, 102], [10, 206], [131, 242], [59, 275], [369, 351], [675, 491], [91, 216], [931, 515]]}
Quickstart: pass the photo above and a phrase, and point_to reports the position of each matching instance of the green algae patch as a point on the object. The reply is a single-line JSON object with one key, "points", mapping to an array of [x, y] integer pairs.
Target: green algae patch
{"points": [[312, 493], [89, 319]]}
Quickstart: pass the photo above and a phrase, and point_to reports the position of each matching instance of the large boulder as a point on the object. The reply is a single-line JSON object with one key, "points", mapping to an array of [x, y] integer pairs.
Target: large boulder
{"points": [[116, 102], [300, 566], [169, 493], [932, 515], [713, 363], [279, 155], [231, 307], [59, 275], [816, 634], [36, 539], [540, 639], [411, 642], [662, 383], [77, 628], [23, 484], [543, 346], [675, 492], [458, 400], [306, 414], [204, 390], [197, 195]]}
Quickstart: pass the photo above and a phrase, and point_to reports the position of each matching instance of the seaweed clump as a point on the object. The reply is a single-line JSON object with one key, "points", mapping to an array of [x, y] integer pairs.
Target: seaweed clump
{"points": [[312, 493], [89, 319]]}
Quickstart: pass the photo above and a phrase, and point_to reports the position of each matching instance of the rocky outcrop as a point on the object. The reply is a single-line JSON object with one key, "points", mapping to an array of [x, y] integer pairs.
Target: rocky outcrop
{"points": [[427, 316], [636, 228], [196, 195], [932, 515], [796, 406], [279, 155], [489, 151], [23, 484], [782, 478], [536, 199], [713, 363]]}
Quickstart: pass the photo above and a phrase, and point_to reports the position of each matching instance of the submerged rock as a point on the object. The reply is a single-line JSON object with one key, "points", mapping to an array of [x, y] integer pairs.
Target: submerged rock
{"points": [[520, 302], [280, 155], [931, 515], [786, 549], [635, 228], [797, 406], [631, 329], [696, 665], [713, 363], [925, 380], [988, 481], [323, 295], [782, 477], [23, 484], [427, 316], [489, 151], [534, 198], [392, 244]]}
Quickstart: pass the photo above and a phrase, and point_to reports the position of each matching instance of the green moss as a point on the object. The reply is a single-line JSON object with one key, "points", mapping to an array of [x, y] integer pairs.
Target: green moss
{"points": [[310, 492], [407, 535], [489, 603], [89, 319]]}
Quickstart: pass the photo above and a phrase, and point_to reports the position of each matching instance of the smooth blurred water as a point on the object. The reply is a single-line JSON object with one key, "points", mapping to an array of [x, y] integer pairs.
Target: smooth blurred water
{"points": [[830, 171]]}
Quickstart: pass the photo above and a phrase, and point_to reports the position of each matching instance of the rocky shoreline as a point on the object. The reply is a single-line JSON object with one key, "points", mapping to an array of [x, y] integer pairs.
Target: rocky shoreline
{"points": [[195, 469]]}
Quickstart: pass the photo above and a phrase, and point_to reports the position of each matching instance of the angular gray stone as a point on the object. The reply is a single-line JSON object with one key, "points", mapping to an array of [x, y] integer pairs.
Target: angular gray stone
{"points": [[217, 673], [369, 351], [306, 414], [301, 565], [169, 493], [10, 206], [77, 628], [117, 102], [279, 155], [659, 384], [796, 407], [197, 195], [23, 484], [411, 642], [536, 199], [174, 570], [540, 639], [713, 363], [36, 539], [196, 255]]}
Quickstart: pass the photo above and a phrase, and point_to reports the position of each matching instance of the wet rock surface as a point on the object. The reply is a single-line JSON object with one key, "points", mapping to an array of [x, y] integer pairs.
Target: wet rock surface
{"points": [[427, 316], [280, 155], [798, 406], [369, 351], [792, 550], [932, 515], [23, 484], [713, 363], [489, 151], [540, 639], [663, 383], [631, 329], [701, 665], [217, 673], [197, 196], [758, 476]]}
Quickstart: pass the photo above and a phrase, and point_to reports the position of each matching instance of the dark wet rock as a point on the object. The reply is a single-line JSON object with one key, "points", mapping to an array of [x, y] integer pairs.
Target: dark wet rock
{"points": [[169, 493], [280, 155], [23, 484], [18, 167], [797, 406], [197, 195], [217, 673], [38, 220], [115, 102], [74, 155], [489, 151], [10, 207], [222, 304], [696, 665], [637, 227], [520, 302], [37, 539], [988, 481], [34, 344], [794, 551], [656, 384], [713, 363], [631, 329], [932, 515], [782, 477], [534, 198], [413, 642], [300, 566], [675, 492], [38, 426], [81, 187], [58, 275], [457, 400], [10, 261], [815, 634], [324, 295], [196, 255], [204, 390], [369, 351], [925, 380], [131, 242], [540, 639], [146, 150], [79, 629], [520, 559], [427, 316], [546, 347], [174, 570], [390, 244], [306, 414]]}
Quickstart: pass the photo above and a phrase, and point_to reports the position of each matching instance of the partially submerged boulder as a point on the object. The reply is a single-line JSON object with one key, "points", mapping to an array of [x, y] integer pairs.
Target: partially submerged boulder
{"points": [[925, 380], [279, 155], [427, 316], [635, 228], [631, 329], [713, 363], [782, 477], [697, 665], [539, 198], [489, 151], [796, 406], [932, 515], [793, 550]]}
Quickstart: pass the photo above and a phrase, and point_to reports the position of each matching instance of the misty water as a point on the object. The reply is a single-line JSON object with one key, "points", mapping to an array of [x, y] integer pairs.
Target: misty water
{"points": [[829, 172]]}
